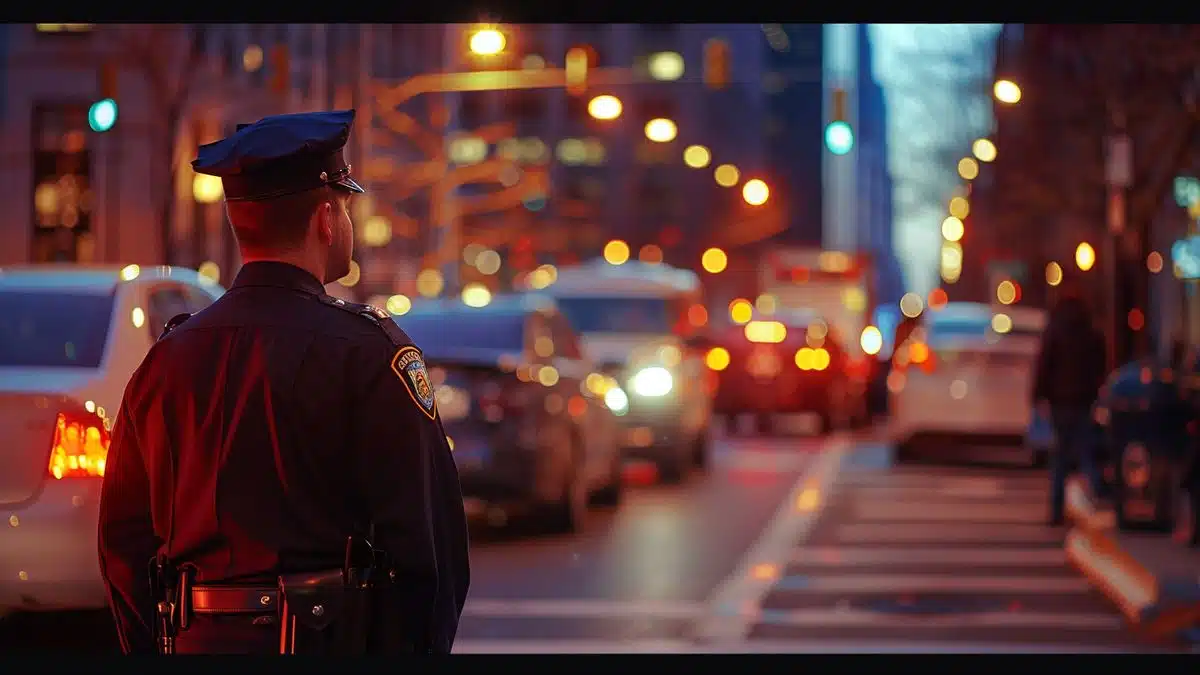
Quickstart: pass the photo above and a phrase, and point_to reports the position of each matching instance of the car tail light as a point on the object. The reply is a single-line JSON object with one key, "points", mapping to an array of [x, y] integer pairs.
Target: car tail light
{"points": [[80, 446], [717, 359], [808, 358]]}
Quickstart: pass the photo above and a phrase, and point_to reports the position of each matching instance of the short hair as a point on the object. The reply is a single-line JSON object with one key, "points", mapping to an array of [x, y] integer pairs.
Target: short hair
{"points": [[279, 222]]}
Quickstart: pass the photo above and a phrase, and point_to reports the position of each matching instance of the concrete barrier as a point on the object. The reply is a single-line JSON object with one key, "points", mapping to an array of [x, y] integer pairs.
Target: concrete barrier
{"points": [[1151, 605]]}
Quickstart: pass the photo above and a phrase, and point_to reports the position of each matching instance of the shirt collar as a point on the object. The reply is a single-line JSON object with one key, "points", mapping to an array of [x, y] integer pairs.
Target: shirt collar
{"points": [[278, 274]]}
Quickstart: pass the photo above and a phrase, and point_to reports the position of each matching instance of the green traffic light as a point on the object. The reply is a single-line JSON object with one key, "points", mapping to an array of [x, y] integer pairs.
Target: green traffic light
{"points": [[839, 137], [102, 115]]}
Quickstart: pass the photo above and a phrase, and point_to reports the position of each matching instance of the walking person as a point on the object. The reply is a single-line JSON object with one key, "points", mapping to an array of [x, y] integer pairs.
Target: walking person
{"points": [[279, 455], [1071, 368]]}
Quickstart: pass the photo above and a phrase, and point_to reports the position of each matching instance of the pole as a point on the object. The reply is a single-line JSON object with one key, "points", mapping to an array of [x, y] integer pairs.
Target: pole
{"points": [[1118, 177], [112, 199]]}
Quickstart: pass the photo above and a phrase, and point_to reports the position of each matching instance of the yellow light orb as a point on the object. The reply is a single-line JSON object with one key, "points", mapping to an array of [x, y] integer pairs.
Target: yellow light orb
{"points": [[959, 207], [1054, 273], [740, 311], [968, 168], [714, 261], [755, 192], [1085, 256], [616, 252], [1007, 91], [487, 42], [430, 282], [661, 130], [952, 229], [984, 150], [726, 175], [911, 305], [697, 156], [605, 107]]}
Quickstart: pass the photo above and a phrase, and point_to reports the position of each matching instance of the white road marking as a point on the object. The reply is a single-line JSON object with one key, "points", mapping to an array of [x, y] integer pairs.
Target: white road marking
{"points": [[997, 512], [920, 583], [582, 608], [733, 604], [964, 557], [895, 533], [851, 618], [518, 646], [773, 646]]}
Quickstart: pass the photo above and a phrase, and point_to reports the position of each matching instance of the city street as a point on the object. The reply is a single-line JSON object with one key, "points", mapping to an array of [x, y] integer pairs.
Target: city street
{"points": [[789, 544]]}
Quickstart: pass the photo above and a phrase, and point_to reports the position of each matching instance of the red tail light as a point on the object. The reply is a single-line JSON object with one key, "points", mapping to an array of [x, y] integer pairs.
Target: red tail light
{"points": [[80, 446]]}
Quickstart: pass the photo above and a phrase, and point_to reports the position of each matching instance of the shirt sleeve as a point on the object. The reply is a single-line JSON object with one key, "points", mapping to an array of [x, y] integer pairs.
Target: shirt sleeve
{"points": [[395, 436], [126, 537]]}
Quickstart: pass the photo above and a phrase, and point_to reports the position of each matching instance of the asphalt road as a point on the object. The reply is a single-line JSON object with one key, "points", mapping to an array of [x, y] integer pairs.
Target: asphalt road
{"points": [[640, 573]]}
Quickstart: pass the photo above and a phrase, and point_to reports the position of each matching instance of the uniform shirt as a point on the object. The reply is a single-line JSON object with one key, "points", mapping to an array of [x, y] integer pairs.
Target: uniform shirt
{"points": [[264, 430]]}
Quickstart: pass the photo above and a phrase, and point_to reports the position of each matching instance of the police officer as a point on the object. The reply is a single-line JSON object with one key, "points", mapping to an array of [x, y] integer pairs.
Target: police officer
{"points": [[259, 435]]}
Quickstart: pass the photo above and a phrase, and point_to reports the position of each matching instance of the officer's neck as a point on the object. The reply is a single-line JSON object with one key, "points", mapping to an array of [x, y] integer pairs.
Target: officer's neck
{"points": [[300, 258]]}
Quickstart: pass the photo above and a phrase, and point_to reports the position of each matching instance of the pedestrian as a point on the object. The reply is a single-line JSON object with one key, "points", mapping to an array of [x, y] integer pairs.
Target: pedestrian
{"points": [[1071, 368], [279, 455]]}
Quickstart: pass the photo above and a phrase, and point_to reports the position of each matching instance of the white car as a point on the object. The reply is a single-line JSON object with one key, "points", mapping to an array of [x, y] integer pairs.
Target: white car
{"points": [[70, 337], [965, 376]]}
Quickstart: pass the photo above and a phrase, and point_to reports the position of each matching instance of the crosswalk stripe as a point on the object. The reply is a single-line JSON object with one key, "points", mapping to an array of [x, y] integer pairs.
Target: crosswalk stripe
{"points": [[581, 608], [881, 533], [922, 583], [868, 555], [856, 618], [880, 510]]}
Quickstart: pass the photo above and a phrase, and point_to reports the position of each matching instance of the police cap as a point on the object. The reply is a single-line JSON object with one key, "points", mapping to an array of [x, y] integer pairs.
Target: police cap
{"points": [[281, 155]]}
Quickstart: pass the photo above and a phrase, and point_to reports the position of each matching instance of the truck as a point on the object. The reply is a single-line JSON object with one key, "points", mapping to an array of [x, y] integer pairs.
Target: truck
{"points": [[839, 287]]}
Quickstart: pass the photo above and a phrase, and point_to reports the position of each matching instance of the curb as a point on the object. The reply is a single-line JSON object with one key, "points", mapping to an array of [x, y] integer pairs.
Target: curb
{"points": [[1155, 606]]}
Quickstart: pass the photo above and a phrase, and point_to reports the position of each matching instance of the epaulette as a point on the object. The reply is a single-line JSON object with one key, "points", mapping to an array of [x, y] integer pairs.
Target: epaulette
{"points": [[377, 316], [175, 322]]}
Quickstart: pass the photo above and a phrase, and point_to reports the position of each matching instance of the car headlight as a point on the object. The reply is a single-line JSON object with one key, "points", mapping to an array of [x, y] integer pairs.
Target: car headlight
{"points": [[653, 381], [616, 400]]}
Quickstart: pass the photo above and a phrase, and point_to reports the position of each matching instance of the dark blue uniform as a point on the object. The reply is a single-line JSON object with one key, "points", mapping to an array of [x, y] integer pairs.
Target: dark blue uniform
{"points": [[261, 432]]}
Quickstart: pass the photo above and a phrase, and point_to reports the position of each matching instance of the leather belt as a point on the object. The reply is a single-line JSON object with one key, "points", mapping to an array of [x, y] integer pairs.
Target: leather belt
{"points": [[235, 599]]}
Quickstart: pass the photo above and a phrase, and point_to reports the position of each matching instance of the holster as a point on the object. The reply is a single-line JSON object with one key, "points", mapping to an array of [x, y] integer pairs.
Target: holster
{"points": [[321, 613]]}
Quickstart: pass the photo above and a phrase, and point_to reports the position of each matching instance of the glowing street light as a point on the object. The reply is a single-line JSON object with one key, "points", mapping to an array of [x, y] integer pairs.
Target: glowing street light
{"points": [[207, 189], [984, 150], [714, 261], [968, 168], [726, 175], [487, 42], [616, 252], [697, 156], [605, 107], [1085, 256], [952, 229], [755, 192], [1007, 91], [661, 130]]}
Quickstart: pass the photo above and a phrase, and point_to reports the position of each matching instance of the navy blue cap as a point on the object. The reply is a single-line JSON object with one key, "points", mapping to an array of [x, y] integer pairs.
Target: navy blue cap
{"points": [[281, 155]]}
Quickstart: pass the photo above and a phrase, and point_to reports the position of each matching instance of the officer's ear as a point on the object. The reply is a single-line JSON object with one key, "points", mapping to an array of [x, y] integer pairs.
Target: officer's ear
{"points": [[326, 221]]}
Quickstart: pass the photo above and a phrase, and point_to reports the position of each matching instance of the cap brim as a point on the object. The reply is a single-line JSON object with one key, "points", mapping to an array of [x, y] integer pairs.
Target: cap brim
{"points": [[348, 184]]}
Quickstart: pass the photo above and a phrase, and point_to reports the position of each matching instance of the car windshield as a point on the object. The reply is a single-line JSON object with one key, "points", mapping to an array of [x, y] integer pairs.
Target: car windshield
{"points": [[48, 329], [618, 315], [440, 333]]}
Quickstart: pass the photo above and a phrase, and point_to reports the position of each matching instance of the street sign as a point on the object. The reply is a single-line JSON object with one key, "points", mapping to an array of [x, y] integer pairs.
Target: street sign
{"points": [[1119, 161]]}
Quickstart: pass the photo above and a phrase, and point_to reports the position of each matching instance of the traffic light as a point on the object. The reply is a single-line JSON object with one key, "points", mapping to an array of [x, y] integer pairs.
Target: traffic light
{"points": [[281, 69], [102, 114], [716, 64], [839, 137], [576, 70]]}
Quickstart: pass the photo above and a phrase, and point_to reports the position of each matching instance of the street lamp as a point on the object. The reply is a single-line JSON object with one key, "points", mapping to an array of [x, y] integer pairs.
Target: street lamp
{"points": [[755, 192], [605, 107], [697, 156], [726, 175], [487, 42], [1007, 91], [206, 189], [984, 150], [1085, 256], [661, 130]]}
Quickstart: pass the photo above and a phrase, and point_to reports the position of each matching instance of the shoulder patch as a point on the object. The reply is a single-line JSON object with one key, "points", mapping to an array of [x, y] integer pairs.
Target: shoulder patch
{"points": [[373, 314], [409, 366]]}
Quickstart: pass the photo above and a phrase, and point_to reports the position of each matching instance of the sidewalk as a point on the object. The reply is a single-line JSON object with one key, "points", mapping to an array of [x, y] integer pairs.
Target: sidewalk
{"points": [[1152, 579]]}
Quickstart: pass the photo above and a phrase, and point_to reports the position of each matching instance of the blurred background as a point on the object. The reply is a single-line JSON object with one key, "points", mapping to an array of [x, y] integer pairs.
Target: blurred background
{"points": [[892, 208]]}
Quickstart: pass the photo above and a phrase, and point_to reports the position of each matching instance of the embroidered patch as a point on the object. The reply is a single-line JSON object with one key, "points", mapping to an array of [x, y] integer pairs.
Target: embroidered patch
{"points": [[409, 366]]}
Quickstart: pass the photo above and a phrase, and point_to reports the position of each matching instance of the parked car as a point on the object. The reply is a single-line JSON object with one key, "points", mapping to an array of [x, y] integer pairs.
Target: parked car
{"points": [[788, 363], [531, 422], [70, 337]]}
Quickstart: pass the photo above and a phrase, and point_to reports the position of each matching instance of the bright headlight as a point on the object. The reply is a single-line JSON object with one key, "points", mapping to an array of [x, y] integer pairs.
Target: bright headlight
{"points": [[616, 400], [653, 381]]}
